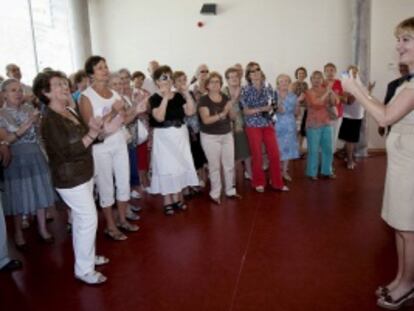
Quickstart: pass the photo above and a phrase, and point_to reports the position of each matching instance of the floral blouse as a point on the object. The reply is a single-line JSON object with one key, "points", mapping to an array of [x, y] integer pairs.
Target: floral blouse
{"points": [[12, 118], [250, 98], [318, 115], [238, 122]]}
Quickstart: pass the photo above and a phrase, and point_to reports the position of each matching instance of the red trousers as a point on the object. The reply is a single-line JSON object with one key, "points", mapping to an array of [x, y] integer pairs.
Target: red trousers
{"points": [[142, 156], [267, 136]]}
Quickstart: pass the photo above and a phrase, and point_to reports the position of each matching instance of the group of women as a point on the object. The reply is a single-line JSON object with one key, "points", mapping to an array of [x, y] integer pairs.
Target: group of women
{"points": [[205, 123], [191, 127], [94, 141]]}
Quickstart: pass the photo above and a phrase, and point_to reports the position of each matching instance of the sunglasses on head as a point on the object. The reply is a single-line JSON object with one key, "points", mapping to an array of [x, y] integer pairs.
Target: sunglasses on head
{"points": [[164, 77]]}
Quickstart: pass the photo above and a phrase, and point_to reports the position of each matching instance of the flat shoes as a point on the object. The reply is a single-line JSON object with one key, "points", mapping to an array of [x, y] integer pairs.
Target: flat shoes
{"points": [[101, 260]]}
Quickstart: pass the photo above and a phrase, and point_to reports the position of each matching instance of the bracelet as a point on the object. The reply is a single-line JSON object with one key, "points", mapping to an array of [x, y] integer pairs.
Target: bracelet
{"points": [[100, 139], [91, 137], [4, 142]]}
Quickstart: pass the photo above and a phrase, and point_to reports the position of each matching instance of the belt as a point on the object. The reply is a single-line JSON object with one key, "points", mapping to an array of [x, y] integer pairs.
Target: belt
{"points": [[171, 123]]}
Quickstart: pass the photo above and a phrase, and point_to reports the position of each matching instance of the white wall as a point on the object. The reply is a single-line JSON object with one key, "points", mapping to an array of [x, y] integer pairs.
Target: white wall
{"points": [[386, 15], [280, 35]]}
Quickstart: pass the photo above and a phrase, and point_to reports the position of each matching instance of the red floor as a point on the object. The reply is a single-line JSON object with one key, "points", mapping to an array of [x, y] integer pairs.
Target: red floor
{"points": [[322, 246]]}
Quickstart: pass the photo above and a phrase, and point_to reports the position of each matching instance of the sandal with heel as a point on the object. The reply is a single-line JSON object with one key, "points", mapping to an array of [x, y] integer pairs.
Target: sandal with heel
{"points": [[115, 236], [180, 206], [382, 291], [387, 302], [169, 210], [128, 227]]}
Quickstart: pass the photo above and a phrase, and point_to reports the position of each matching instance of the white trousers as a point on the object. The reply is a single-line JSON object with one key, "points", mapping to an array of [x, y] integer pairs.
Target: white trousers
{"points": [[111, 160], [4, 253], [219, 151], [84, 225], [336, 125]]}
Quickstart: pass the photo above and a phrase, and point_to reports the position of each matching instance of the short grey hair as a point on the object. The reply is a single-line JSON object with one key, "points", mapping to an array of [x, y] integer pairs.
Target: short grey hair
{"points": [[122, 70]]}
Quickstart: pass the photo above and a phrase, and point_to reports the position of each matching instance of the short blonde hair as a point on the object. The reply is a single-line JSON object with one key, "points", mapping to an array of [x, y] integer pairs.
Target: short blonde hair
{"points": [[199, 68], [283, 75], [352, 67], [406, 26], [316, 73]]}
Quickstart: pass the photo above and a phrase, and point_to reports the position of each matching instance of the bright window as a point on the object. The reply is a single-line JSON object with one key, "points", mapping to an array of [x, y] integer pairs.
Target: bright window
{"points": [[34, 34]]}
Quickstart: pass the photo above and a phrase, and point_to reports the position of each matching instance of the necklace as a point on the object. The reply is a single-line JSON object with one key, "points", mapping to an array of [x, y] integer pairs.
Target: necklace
{"points": [[281, 97], [67, 113]]}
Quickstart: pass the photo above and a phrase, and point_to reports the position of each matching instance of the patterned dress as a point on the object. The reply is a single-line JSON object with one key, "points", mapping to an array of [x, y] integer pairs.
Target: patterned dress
{"points": [[27, 180], [286, 129]]}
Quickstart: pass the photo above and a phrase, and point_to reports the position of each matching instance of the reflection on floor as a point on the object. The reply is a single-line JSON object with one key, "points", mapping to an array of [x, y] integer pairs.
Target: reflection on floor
{"points": [[322, 246]]}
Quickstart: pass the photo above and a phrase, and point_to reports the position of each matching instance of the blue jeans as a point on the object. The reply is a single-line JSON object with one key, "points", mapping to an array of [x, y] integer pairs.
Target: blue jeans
{"points": [[319, 139], [133, 166]]}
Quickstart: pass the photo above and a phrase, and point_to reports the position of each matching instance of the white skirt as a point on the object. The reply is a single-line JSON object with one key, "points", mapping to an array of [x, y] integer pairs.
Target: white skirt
{"points": [[171, 161]]}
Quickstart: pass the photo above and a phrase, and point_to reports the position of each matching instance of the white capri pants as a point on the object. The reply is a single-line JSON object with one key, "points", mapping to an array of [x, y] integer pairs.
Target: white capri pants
{"points": [[111, 161], [336, 125], [219, 151], [84, 224]]}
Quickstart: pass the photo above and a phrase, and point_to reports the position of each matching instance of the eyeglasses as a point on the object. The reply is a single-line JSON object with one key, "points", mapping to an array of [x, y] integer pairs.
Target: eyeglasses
{"points": [[254, 70], [203, 71], [164, 77]]}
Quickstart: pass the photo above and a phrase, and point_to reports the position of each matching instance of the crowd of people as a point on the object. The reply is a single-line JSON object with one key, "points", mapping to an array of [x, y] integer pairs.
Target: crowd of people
{"points": [[126, 135]]}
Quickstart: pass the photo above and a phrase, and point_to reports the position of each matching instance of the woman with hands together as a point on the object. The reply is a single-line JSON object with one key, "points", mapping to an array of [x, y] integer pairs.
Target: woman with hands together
{"points": [[68, 142], [110, 153], [172, 163], [319, 100], [397, 208], [193, 125], [241, 145], [288, 109], [216, 114], [27, 184]]}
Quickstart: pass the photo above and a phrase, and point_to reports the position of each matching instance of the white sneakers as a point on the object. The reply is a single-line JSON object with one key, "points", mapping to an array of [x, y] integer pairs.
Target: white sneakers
{"points": [[92, 278], [247, 175], [95, 277], [260, 189], [135, 195], [101, 260]]}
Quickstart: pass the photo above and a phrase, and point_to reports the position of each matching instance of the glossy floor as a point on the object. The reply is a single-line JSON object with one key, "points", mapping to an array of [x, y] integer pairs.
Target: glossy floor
{"points": [[322, 246]]}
